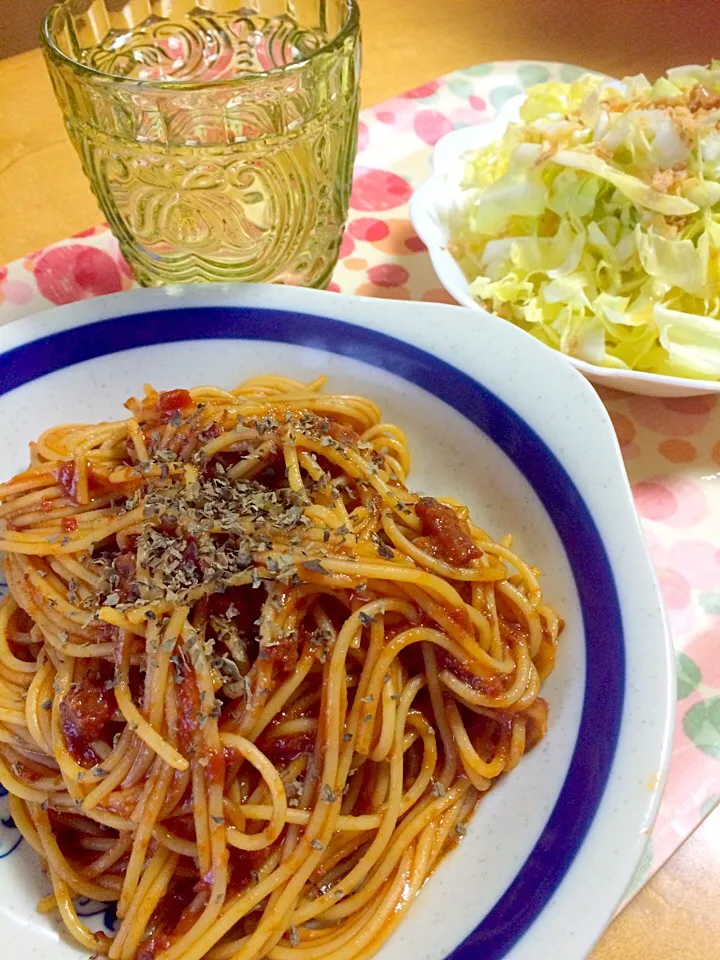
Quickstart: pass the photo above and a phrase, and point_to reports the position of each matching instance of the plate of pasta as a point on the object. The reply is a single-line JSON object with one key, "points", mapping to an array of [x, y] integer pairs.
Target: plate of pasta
{"points": [[325, 635]]}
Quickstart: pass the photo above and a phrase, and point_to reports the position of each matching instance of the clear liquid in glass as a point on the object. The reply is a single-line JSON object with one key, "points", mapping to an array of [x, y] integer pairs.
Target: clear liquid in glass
{"points": [[219, 144]]}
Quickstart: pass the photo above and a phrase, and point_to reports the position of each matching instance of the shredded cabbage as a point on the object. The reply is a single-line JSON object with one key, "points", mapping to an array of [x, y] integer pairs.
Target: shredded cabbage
{"points": [[594, 222]]}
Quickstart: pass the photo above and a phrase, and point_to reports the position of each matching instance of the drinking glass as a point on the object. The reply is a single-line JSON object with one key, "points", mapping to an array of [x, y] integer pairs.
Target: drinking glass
{"points": [[218, 136]]}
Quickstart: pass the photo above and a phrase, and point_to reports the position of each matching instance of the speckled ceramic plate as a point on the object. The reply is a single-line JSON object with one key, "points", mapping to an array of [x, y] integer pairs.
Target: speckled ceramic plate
{"points": [[552, 848]]}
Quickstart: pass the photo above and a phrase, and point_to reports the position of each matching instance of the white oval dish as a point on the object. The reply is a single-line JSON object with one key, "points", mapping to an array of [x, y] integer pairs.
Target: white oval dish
{"points": [[552, 848], [441, 193]]}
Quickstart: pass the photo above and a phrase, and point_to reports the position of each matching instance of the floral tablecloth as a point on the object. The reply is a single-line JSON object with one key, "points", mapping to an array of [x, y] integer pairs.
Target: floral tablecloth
{"points": [[671, 447]]}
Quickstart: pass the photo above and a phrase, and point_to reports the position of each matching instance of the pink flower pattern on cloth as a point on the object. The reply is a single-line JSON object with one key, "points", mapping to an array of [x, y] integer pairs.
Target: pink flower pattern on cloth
{"points": [[671, 447]]}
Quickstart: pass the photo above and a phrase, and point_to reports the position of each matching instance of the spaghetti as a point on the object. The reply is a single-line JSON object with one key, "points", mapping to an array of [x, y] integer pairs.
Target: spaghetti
{"points": [[252, 687]]}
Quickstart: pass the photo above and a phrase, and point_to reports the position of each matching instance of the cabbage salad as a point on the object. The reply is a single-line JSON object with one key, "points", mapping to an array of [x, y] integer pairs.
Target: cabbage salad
{"points": [[594, 223]]}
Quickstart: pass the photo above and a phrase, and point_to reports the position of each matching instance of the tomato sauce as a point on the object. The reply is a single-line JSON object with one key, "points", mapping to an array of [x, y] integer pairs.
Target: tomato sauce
{"points": [[188, 712], [98, 481], [125, 567], [85, 713], [450, 533], [342, 434], [215, 767], [537, 722], [282, 652], [151, 947], [169, 402], [489, 686], [242, 605], [167, 918], [281, 750]]}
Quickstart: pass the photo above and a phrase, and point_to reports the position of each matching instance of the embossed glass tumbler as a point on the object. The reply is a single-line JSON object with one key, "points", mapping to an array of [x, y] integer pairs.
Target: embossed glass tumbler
{"points": [[218, 135]]}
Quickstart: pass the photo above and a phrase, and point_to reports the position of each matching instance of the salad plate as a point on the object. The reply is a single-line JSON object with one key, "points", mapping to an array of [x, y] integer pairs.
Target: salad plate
{"points": [[441, 201], [532, 456]]}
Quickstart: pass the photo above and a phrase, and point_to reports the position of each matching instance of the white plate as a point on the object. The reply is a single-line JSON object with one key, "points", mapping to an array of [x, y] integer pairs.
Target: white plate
{"points": [[552, 848], [441, 193]]}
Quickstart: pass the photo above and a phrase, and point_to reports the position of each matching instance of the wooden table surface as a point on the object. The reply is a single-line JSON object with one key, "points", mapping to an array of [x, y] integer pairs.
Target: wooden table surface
{"points": [[44, 198]]}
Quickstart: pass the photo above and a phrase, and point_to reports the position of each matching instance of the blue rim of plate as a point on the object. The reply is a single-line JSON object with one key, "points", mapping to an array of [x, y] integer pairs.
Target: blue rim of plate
{"points": [[560, 841]]}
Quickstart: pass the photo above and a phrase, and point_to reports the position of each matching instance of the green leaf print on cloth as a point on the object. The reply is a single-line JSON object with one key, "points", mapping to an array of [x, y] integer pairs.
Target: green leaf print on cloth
{"points": [[702, 725]]}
